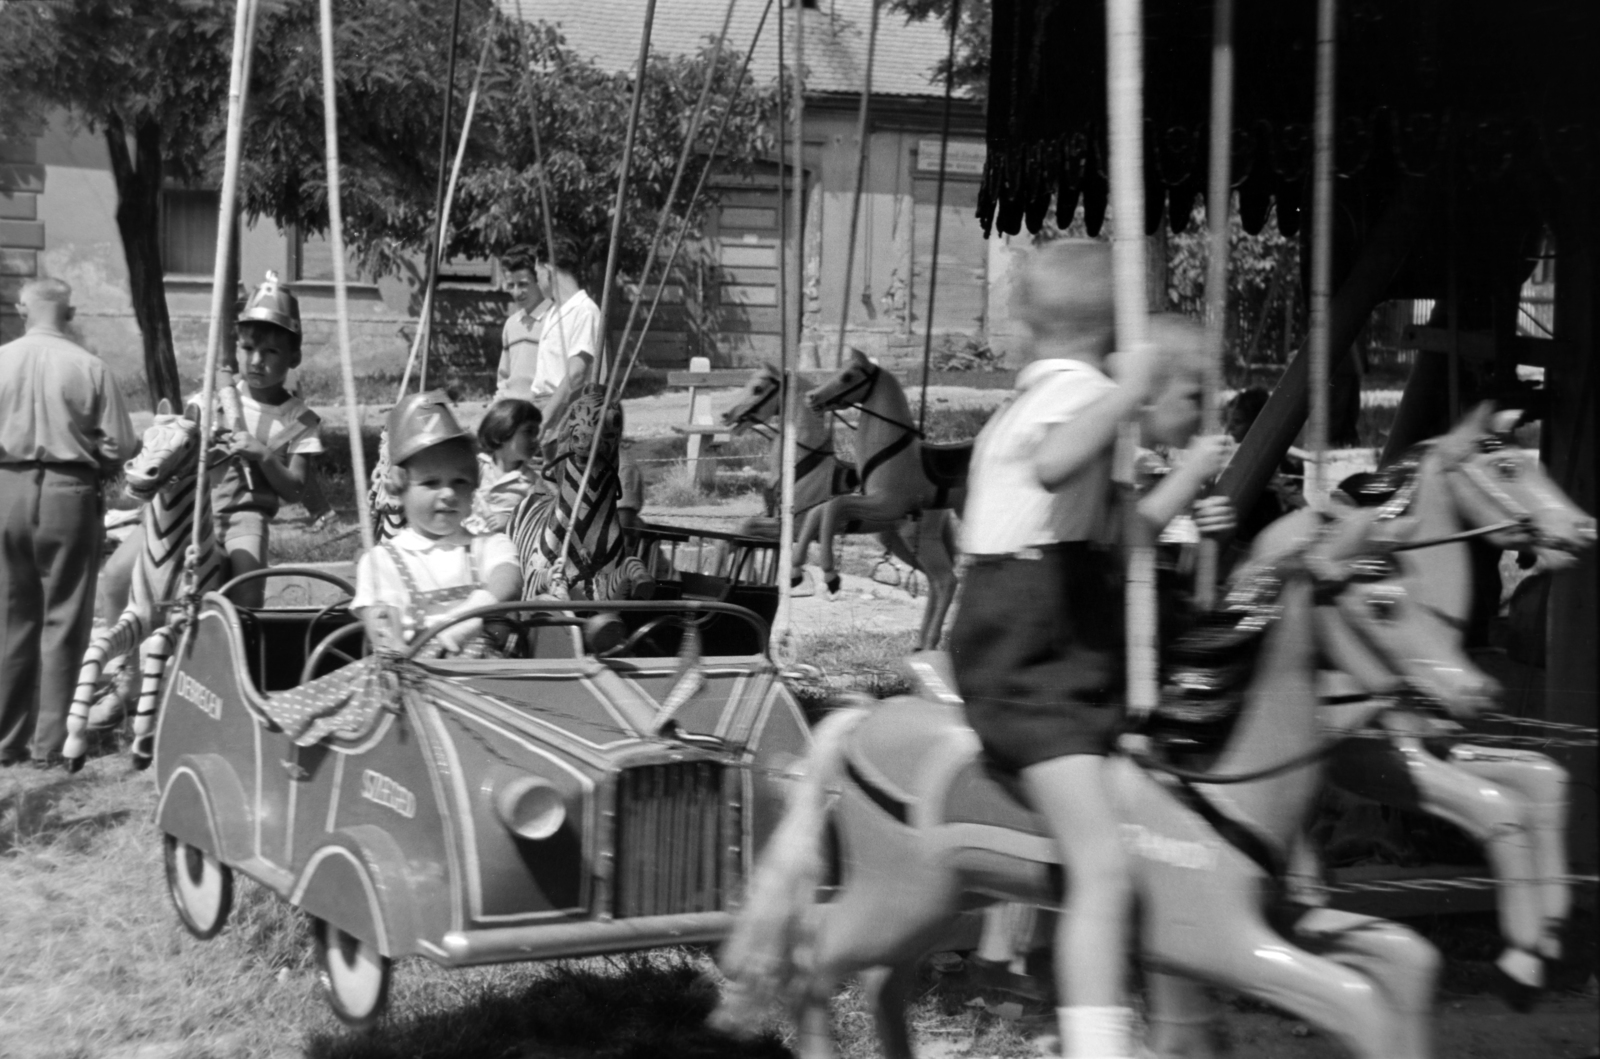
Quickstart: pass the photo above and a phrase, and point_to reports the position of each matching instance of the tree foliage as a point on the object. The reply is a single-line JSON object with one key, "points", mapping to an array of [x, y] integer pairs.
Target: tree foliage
{"points": [[151, 76], [972, 40]]}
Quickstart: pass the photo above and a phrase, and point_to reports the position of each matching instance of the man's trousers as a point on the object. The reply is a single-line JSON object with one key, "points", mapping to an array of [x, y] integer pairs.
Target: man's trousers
{"points": [[51, 531]]}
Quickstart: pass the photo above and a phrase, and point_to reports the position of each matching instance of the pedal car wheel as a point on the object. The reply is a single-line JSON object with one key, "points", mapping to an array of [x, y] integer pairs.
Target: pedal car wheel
{"points": [[354, 974], [201, 887]]}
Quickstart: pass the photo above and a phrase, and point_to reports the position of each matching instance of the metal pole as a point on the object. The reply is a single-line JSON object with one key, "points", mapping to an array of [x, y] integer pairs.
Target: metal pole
{"points": [[1321, 252], [1219, 191], [1125, 91], [614, 251], [436, 253], [783, 625], [938, 212], [863, 154], [330, 129], [222, 299]]}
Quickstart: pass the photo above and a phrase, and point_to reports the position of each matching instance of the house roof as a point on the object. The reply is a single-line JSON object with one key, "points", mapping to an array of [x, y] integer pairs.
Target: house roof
{"points": [[835, 39]]}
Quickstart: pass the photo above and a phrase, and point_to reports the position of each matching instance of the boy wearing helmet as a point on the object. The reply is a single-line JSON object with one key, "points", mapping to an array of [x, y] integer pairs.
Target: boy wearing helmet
{"points": [[434, 569], [270, 459]]}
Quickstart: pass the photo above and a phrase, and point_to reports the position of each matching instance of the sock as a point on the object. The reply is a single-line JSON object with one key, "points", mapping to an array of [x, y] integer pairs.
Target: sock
{"points": [[1095, 1032], [1522, 967]]}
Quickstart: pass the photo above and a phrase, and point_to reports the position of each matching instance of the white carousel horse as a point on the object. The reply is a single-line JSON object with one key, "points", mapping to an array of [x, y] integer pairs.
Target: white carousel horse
{"points": [[820, 476], [924, 831], [164, 475]]}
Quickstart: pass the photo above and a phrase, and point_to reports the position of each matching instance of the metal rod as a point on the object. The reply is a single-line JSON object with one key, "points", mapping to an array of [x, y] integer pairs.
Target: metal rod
{"points": [[783, 626], [423, 338], [330, 128], [672, 193], [938, 214], [614, 250], [1124, 20], [1321, 252], [222, 299], [1219, 191], [436, 253], [863, 155], [542, 178]]}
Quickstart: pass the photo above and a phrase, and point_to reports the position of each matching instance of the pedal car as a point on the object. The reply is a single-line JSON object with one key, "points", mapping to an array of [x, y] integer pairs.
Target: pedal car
{"points": [[568, 801]]}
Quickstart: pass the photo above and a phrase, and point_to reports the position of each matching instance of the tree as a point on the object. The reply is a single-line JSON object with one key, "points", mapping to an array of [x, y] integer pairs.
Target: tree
{"points": [[972, 40], [151, 76]]}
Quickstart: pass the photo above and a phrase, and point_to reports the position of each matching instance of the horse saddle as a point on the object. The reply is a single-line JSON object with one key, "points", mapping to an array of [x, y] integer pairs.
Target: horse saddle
{"points": [[946, 465], [921, 763], [1204, 677]]}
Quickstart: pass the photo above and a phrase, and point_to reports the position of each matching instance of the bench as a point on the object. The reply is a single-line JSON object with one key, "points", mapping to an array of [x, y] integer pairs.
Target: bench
{"points": [[703, 422]]}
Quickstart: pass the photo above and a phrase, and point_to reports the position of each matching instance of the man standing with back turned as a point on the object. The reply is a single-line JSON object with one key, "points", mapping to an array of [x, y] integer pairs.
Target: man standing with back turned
{"points": [[62, 426]]}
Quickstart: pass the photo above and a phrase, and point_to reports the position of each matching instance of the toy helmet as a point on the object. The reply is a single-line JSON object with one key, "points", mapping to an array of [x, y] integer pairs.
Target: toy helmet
{"points": [[421, 421], [273, 303]]}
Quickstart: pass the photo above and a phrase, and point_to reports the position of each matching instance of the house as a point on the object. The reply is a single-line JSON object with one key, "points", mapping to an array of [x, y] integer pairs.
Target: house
{"points": [[732, 303]]}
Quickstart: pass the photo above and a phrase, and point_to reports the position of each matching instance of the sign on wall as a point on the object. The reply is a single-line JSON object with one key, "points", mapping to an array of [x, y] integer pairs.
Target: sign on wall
{"points": [[962, 157]]}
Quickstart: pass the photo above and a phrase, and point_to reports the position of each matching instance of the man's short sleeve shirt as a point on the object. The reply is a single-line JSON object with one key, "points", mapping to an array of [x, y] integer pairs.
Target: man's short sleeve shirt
{"points": [[569, 330]]}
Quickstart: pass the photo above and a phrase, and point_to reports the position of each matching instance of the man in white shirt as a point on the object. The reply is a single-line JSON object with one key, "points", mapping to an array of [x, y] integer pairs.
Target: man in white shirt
{"points": [[569, 340], [519, 338]]}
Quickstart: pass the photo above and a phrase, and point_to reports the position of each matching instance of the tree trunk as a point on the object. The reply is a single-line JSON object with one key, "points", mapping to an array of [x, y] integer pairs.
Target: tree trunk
{"points": [[138, 180]]}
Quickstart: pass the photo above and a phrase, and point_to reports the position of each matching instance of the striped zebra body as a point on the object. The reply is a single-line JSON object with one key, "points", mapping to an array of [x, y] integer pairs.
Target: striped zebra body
{"points": [[539, 526], [384, 503], [166, 470]]}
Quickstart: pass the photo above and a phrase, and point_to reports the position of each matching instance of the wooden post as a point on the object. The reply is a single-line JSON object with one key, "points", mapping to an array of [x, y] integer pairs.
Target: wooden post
{"points": [[1125, 90]]}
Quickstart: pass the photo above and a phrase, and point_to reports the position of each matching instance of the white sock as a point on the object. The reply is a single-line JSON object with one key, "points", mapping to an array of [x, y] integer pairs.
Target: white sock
{"points": [[1095, 1032], [1523, 967]]}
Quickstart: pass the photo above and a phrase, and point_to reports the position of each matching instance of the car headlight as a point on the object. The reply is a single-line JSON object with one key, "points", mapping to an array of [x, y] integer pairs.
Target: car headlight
{"points": [[530, 807]]}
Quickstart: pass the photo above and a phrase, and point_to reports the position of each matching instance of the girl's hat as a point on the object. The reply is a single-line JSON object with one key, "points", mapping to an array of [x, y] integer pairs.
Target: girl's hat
{"points": [[421, 421], [273, 303]]}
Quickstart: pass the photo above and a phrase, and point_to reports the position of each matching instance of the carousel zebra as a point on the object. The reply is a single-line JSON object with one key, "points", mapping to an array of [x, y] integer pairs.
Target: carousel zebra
{"points": [[164, 475], [597, 560]]}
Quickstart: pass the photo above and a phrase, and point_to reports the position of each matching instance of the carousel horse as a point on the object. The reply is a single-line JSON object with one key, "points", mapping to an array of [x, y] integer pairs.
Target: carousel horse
{"points": [[1514, 802], [820, 475], [924, 829], [164, 476], [538, 528], [902, 476]]}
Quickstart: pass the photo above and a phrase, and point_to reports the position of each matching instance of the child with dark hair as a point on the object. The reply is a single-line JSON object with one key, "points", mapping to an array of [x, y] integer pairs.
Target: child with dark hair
{"points": [[508, 463]]}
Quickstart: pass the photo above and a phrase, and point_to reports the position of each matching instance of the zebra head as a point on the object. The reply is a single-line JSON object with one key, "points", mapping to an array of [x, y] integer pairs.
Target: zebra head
{"points": [[168, 449]]}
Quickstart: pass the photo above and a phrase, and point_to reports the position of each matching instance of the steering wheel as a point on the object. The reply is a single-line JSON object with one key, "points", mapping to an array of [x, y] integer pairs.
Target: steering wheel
{"points": [[289, 571], [326, 648], [641, 633]]}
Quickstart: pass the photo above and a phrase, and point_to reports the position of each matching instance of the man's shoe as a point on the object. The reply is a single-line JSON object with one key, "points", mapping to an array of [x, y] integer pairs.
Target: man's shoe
{"points": [[14, 759]]}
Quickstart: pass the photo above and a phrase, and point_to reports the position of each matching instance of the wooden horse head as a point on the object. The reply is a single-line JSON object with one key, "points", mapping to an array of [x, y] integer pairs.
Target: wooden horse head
{"points": [[168, 449], [1493, 481], [760, 400], [853, 385]]}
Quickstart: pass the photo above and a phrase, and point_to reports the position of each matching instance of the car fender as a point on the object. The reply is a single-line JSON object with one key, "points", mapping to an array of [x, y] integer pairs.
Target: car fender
{"points": [[356, 879], [203, 804]]}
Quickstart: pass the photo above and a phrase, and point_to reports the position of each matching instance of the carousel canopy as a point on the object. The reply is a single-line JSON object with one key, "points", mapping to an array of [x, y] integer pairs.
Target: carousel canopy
{"points": [[1490, 101]]}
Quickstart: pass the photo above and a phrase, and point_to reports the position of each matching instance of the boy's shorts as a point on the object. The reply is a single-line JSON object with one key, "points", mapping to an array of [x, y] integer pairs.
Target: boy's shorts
{"points": [[244, 530]]}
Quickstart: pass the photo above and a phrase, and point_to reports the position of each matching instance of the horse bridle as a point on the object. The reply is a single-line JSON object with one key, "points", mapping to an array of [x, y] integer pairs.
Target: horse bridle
{"points": [[1518, 517]]}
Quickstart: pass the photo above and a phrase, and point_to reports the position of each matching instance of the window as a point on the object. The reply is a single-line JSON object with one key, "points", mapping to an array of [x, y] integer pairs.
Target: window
{"points": [[312, 256], [189, 231]]}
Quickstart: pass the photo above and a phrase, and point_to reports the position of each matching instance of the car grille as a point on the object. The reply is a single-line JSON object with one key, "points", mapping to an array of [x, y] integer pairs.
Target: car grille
{"points": [[670, 839]]}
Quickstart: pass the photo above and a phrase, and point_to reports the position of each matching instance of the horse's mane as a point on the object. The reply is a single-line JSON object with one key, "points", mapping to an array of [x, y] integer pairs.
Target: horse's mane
{"points": [[1376, 488]]}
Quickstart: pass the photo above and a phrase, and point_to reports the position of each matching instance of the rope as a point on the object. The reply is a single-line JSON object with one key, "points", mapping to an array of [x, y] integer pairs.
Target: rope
{"points": [[863, 152], [533, 128], [612, 255], [1218, 196], [424, 336], [938, 213], [614, 249], [330, 127], [425, 331], [243, 34], [677, 179]]}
